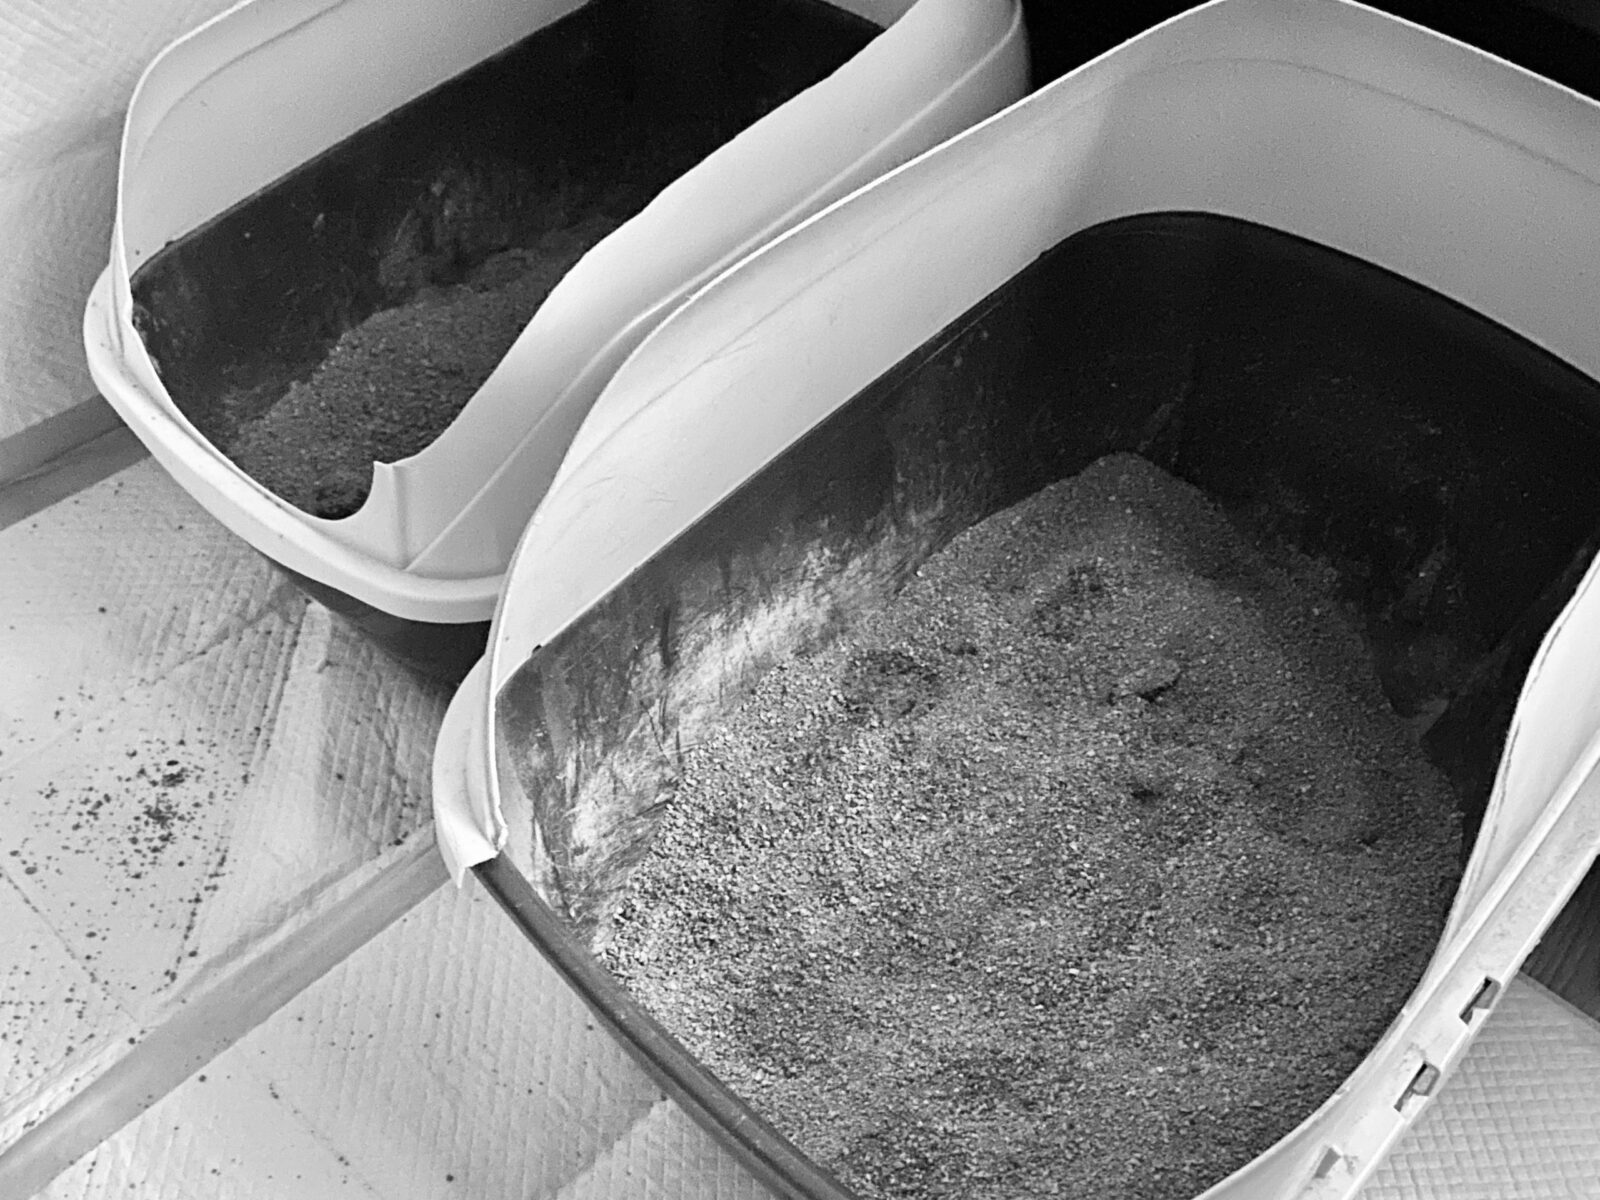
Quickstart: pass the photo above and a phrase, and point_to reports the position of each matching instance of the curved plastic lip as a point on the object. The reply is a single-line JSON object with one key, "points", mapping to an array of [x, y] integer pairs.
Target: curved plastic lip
{"points": [[345, 554], [282, 533], [1494, 158], [1488, 104]]}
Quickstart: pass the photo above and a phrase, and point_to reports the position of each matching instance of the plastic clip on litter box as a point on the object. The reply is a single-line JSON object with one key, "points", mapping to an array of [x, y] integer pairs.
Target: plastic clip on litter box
{"points": [[312, 92], [1299, 251]]}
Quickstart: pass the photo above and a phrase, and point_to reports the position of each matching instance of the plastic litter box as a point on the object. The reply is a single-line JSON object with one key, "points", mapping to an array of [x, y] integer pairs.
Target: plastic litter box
{"points": [[1331, 267], [288, 169]]}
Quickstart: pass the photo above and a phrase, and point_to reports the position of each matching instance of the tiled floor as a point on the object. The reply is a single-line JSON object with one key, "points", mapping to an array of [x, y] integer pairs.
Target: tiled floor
{"points": [[197, 767], [231, 965]]}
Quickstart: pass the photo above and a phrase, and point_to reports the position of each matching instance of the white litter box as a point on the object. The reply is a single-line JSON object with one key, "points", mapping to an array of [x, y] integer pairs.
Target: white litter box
{"points": [[1333, 268], [288, 169]]}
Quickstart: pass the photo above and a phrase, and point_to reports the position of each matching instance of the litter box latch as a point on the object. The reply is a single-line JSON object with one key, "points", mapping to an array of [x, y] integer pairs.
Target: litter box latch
{"points": [[1422, 1085], [1482, 1000], [1337, 1171]]}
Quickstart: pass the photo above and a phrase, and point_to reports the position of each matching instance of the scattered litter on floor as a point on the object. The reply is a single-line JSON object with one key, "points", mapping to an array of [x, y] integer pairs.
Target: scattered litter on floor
{"points": [[225, 951]]}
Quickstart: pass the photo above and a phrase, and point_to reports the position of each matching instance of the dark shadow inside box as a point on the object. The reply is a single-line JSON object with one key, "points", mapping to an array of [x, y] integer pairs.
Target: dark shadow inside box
{"points": [[1439, 466]]}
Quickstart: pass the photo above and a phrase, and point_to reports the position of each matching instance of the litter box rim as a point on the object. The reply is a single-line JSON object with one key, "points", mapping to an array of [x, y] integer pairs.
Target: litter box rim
{"points": [[973, 57], [524, 622]]}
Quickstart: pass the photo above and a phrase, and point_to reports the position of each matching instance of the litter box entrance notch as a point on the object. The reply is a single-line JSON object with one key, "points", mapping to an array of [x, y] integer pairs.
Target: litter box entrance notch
{"points": [[344, 315], [1440, 467]]}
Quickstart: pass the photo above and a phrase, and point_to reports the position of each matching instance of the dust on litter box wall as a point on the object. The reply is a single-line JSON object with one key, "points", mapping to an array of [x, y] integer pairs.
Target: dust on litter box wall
{"points": [[596, 739], [1090, 866]]}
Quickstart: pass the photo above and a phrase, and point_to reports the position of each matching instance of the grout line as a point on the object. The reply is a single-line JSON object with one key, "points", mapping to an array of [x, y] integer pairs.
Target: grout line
{"points": [[215, 1019], [66, 475]]}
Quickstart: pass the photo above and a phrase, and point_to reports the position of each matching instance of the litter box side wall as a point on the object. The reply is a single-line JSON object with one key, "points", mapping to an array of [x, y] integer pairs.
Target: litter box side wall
{"points": [[1333, 405], [1326, 120], [942, 66], [432, 541], [1330, 121], [281, 71]]}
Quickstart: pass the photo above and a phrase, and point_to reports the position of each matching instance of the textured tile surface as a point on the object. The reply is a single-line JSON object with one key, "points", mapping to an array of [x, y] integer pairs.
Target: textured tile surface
{"points": [[1520, 1118], [51, 1005], [665, 1156], [194, 759], [194, 778], [444, 1059]]}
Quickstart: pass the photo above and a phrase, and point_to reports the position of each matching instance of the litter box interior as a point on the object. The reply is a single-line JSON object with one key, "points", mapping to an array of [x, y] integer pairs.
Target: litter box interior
{"points": [[346, 313], [1439, 468], [1441, 465]]}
